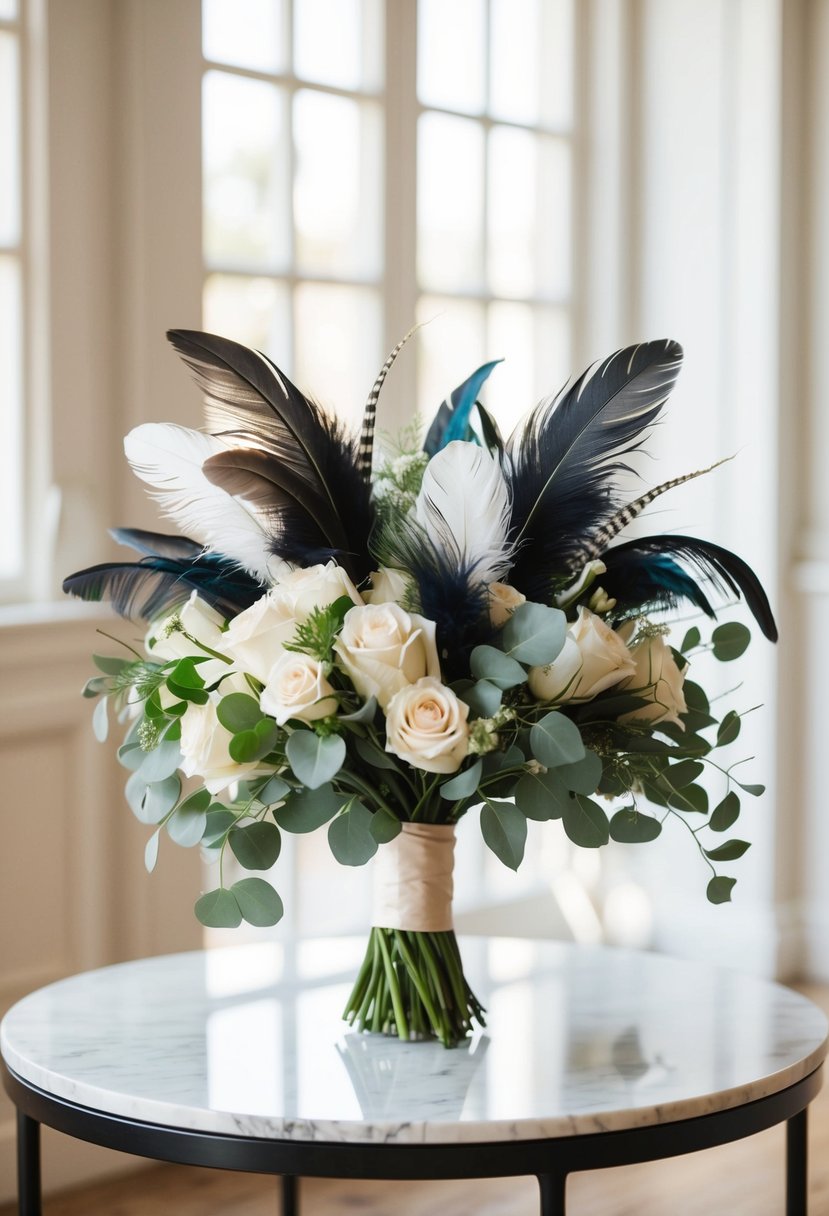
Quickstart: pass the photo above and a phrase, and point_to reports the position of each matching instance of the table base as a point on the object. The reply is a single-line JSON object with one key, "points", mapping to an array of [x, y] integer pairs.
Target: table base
{"points": [[551, 1160]]}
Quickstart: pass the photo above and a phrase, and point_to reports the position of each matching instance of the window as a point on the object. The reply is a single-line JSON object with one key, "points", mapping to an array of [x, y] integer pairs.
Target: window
{"points": [[12, 260]]}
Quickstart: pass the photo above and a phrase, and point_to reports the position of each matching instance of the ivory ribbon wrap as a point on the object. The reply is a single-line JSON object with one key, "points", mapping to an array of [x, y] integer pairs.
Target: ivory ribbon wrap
{"points": [[413, 879]]}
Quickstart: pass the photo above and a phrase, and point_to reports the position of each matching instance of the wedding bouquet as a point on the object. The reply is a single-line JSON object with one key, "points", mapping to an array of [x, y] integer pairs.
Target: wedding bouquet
{"points": [[382, 649]]}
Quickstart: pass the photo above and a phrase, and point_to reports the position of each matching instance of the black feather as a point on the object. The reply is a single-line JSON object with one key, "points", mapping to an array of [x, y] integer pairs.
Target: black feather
{"points": [[248, 398], [645, 573], [157, 544], [157, 585], [562, 461]]}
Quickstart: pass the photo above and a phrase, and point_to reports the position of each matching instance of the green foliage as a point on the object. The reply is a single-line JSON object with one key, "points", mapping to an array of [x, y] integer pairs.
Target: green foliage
{"points": [[556, 740], [238, 712], [385, 826], [307, 810], [583, 776], [483, 698], [251, 745], [218, 909], [314, 760], [730, 641], [691, 798], [628, 826], [504, 830], [534, 634], [691, 640], [728, 729], [100, 720], [350, 836], [725, 813], [730, 851], [257, 901], [488, 663], [585, 822], [185, 682], [256, 846], [541, 796], [316, 635], [274, 790], [719, 889], [464, 784]]}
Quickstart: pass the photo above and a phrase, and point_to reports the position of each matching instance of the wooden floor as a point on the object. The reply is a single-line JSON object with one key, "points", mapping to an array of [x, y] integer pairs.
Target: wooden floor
{"points": [[742, 1179]]}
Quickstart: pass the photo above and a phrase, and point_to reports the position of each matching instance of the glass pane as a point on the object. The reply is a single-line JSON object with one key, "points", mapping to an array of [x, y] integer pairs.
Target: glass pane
{"points": [[451, 54], [450, 346], [9, 141], [337, 190], [11, 453], [529, 250], [450, 195], [531, 58], [339, 42], [256, 312], [248, 33], [338, 346], [246, 158], [535, 345]]}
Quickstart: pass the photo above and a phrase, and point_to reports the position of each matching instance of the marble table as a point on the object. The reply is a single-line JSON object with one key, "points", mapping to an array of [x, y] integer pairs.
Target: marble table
{"points": [[237, 1058]]}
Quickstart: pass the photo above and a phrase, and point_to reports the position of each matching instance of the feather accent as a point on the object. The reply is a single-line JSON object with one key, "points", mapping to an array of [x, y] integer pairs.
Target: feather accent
{"points": [[597, 544], [156, 585], [169, 458], [250, 403], [561, 463], [645, 573], [156, 544], [464, 508], [452, 419], [366, 449]]}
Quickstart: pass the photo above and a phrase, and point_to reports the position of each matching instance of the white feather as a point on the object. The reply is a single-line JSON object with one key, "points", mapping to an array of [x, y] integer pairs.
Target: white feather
{"points": [[464, 507], [169, 458]]}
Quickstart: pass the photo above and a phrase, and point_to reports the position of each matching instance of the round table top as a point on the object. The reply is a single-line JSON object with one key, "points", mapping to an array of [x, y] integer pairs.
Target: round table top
{"points": [[248, 1041]]}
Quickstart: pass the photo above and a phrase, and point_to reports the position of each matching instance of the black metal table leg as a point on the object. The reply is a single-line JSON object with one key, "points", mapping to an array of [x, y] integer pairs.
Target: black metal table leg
{"points": [[797, 1176], [553, 1188], [290, 1195], [28, 1166]]}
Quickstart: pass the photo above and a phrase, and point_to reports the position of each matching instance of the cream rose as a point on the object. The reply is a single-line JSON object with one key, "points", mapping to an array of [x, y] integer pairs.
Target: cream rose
{"points": [[382, 649], [426, 726], [297, 688], [592, 659], [388, 586], [315, 587], [198, 619], [658, 681], [503, 600], [204, 749]]}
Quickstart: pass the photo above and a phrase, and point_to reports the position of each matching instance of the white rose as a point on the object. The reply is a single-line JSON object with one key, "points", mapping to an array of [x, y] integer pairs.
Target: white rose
{"points": [[658, 681], [198, 619], [297, 688], [503, 600], [383, 649], [255, 639], [315, 587], [593, 659], [426, 726], [204, 749], [388, 586]]}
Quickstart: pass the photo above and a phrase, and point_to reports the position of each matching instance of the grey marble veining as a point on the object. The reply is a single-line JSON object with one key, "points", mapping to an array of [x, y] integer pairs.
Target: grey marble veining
{"points": [[249, 1040]]}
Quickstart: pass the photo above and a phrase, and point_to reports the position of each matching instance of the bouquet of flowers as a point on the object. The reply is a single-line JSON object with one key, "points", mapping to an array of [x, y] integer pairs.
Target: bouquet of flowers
{"points": [[381, 650]]}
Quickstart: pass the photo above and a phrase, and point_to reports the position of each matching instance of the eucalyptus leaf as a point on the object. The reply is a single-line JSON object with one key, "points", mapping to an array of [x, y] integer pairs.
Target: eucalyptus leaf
{"points": [[628, 826], [585, 822], [385, 827], [692, 638], [350, 836], [110, 666], [754, 790], [534, 634], [135, 791], [373, 755], [695, 696], [274, 790], [366, 713], [725, 813], [692, 798], [100, 720], [483, 698], [218, 909], [504, 830], [730, 851], [199, 800], [94, 686], [719, 889], [683, 773], [218, 822], [730, 641], [151, 851], [256, 846], [186, 828], [315, 760], [488, 663], [160, 799], [307, 810], [464, 784], [729, 728], [197, 696], [556, 740], [584, 776], [131, 756], [251, 745], [161, 762], [238, 711], [258, 902], [541, 796]]}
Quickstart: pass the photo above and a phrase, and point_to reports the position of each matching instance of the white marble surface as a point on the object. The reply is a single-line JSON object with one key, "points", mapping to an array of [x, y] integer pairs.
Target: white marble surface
{"points": [[249, 1040]]}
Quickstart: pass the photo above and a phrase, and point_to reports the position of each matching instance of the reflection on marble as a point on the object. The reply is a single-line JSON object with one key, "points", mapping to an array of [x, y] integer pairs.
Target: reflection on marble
{"points": [[579, 1040]]}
